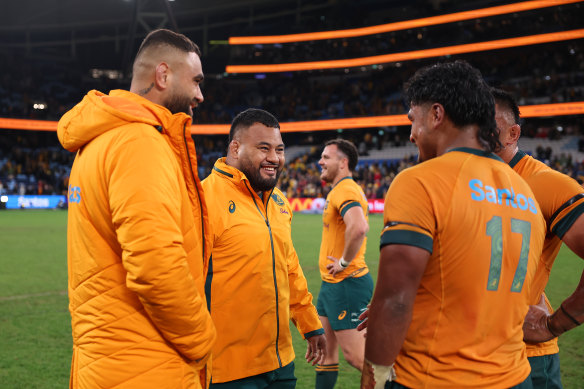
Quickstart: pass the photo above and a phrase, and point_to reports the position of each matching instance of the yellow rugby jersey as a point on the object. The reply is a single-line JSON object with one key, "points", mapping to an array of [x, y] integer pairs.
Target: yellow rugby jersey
{"points": [[560, 206], [345, 195], [485, 233]]}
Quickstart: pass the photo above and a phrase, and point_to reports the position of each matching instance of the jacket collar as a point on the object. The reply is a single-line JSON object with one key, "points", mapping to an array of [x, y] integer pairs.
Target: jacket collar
{"points": [[227, 171], [236, 176], [98, 113]]}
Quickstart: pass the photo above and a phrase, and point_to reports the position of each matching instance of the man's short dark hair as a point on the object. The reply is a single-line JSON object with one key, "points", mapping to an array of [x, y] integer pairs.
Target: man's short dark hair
{"points": [[166, 37], [247, 118], [464, 94], [348, 149], [506, 100]]}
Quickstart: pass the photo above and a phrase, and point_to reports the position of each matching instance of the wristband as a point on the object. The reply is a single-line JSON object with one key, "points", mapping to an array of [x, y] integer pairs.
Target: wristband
{"points": [[569, 316], [561, 321], [343, 264], [381, 374]]}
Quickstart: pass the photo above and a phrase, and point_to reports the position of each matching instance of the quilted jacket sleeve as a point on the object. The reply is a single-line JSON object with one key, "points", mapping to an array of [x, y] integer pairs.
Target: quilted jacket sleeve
{"points": [[302, 312], [145, 201]]}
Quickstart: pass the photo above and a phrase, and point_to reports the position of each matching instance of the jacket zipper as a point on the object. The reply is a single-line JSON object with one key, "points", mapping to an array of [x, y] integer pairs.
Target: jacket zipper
{"points": [[273, 268], [204, 383], [197, 189]]}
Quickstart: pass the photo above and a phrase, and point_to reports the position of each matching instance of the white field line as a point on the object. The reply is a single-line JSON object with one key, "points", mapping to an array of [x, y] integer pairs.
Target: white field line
{"points": [[33, 295]]}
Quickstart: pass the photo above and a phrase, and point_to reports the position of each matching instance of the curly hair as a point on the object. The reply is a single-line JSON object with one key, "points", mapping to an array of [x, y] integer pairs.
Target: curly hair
{"points": [[464, 94]]}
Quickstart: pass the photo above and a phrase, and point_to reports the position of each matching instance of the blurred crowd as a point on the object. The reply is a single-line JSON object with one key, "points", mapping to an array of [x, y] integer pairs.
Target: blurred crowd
{"points": [[33, 163], [540, 21], [547, 73]]}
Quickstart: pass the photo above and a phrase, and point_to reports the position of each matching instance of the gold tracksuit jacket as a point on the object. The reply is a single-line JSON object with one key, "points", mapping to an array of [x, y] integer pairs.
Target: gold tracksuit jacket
{"points": [[255, 284]]}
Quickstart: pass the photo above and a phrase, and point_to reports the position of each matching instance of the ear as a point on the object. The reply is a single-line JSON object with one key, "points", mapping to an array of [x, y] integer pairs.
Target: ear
{"points": [[437, 114], [234, 148], [162, 74], [345, 162], [514, 133]]}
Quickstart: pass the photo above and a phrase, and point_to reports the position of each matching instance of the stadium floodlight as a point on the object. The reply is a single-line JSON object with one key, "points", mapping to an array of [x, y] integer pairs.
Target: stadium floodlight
{"points": [[410, 55], [403, 25]]}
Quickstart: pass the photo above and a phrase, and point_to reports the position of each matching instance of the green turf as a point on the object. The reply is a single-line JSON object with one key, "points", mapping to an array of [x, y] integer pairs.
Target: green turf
{"points": [[35, 338]]}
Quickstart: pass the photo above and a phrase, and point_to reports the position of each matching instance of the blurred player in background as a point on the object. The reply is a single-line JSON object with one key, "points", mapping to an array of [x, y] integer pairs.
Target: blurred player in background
{"points": [[347, 285], [255, 284], [136, 243], [561, 199], [460, 246]]}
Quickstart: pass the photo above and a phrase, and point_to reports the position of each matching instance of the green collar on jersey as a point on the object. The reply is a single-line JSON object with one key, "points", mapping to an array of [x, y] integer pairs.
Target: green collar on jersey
{"points": [[344, 178], [516, 158], [480, 153]]}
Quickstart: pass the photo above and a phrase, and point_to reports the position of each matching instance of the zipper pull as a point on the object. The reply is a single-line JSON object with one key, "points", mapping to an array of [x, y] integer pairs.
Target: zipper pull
{"points": [[267, 223]]}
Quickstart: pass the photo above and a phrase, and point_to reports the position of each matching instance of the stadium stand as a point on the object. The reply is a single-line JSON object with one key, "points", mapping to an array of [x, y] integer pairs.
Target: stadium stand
{"points": [[32, 162]]}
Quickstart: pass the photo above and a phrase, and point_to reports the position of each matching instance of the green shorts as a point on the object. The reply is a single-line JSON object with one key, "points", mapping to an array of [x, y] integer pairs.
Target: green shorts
{"points": [[545, 372], [343, 302], [282, 378]]}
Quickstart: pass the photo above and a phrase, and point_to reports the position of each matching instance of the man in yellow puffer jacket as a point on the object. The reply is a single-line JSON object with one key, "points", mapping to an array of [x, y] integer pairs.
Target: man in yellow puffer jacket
{"points": [[255, 285], [138, 232]]}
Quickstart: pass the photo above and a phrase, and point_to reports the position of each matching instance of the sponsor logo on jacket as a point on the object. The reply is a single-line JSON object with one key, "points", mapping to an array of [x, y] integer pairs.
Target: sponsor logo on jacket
{"points": [[74, 194]]}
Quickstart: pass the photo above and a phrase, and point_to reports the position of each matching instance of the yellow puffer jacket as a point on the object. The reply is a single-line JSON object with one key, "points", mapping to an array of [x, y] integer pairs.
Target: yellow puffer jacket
{"points": [[255, 284], [137, 246]]}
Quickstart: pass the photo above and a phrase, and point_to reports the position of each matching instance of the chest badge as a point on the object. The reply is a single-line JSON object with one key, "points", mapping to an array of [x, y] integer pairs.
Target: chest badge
{"points": [[277, 199], [231, 206]]}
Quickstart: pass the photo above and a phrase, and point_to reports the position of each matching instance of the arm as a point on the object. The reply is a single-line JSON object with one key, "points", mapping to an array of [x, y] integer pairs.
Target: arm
{"points": [[400, 271], [145, 198], [539, 325], [303, 313], [355, 231]]}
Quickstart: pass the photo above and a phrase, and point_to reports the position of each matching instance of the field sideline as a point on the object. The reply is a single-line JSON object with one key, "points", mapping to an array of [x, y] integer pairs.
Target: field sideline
{"points": [[35, 342]]}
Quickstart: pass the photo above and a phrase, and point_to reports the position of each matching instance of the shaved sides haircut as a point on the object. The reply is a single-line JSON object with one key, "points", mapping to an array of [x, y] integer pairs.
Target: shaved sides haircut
{"points": [[163, 37], [348, 149], [506, 101], [160, 42]]}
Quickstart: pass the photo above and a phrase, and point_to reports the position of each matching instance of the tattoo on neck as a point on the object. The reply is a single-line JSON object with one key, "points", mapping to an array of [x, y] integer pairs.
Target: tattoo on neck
{"points": [[146, 90]]}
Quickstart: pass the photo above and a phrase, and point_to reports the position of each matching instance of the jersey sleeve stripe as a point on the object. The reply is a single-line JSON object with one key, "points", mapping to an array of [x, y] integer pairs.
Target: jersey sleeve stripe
{"points": [[410, 238], [563, 225], [564, 206], [349, 205]]}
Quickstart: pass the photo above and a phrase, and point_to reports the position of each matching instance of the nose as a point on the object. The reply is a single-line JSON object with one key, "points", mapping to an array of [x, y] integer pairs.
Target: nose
{"points": [[320, 162], [199, 95], [272, 156], [412, 139]]}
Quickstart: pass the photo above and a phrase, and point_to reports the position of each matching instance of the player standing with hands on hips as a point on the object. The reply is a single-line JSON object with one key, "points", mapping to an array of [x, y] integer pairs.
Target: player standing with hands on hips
{"points": [[347, 285]]}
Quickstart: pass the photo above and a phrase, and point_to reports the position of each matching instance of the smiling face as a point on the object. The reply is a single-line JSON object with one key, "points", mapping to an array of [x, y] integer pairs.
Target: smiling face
{"points": [[420, 134], [260, 155], [330, 160], [185, 92]]}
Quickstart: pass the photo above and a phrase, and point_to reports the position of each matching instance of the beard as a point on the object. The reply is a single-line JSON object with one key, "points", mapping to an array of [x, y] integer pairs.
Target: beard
{"points": [[178, 103], [329, 174], [257, 182]]}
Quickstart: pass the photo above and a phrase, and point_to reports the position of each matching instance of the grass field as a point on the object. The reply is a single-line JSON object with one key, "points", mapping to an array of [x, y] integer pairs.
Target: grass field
{"points": [[35, 339]]}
